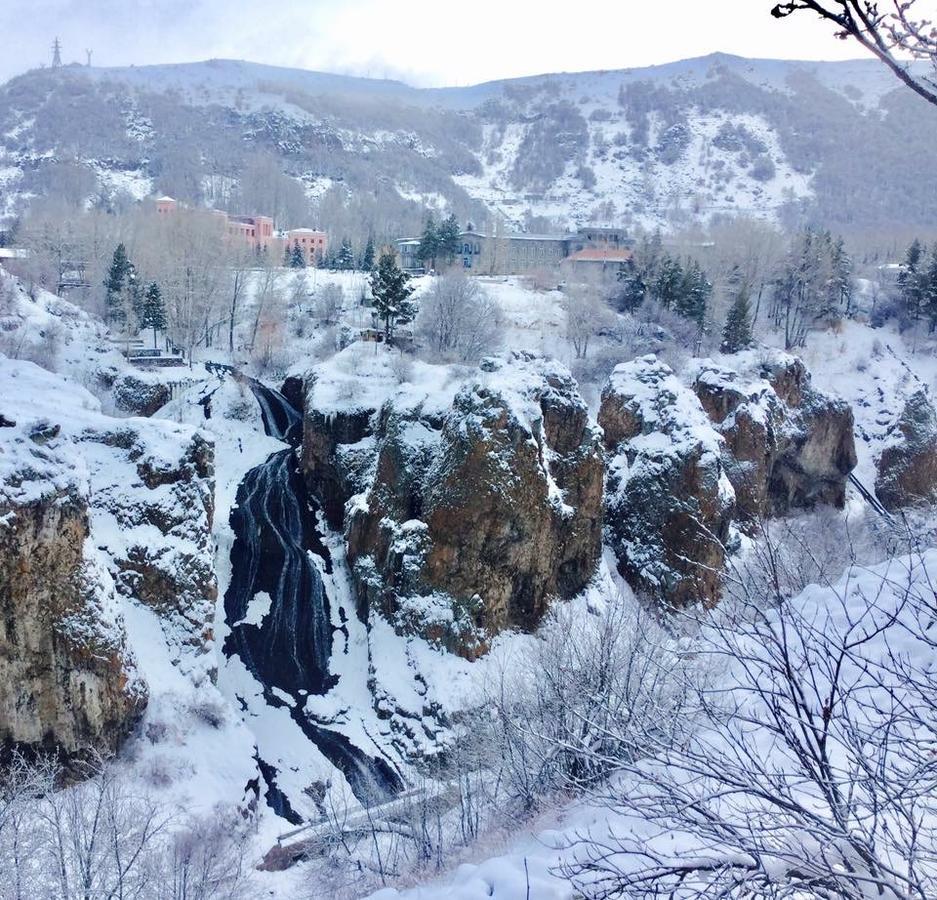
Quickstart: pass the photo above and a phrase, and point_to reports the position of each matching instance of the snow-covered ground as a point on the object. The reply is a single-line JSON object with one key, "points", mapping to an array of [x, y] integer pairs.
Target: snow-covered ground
{"points": [[205, 759]]}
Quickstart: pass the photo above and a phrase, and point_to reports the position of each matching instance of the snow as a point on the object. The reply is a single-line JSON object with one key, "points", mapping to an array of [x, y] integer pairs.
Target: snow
{"points": [[530, 861], [257, 610], [199, 741]]}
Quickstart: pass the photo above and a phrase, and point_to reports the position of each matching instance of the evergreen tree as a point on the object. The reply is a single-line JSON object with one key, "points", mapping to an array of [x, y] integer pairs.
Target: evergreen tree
{"points": [[449, 239], [429, 244], [392, 292], [911, 281], [840, 290], [153, 314], [346, 257], [116, 285], [929, 290], [668, 281], [297, 258], [367, 258], [693, 294], [737, 333], [632, 289], [287, 257]]}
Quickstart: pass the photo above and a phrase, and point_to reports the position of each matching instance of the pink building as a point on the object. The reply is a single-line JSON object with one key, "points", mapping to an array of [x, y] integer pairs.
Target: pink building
{"points": [[314, 244], [258, 233]]}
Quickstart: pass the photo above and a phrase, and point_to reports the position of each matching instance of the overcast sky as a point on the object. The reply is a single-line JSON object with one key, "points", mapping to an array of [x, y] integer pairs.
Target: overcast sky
{"points": [[424, 42]]}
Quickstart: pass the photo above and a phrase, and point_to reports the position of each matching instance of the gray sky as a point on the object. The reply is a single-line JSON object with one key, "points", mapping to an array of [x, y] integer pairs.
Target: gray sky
{"points": [[424, 42]]}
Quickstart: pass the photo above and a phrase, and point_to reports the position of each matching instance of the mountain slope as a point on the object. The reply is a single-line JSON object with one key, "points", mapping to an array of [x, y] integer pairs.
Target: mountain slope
{"points": [[670, 144]]}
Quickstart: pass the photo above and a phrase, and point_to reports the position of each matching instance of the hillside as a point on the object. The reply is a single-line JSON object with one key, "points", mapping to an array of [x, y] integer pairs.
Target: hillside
{"points": [[666, 145]]}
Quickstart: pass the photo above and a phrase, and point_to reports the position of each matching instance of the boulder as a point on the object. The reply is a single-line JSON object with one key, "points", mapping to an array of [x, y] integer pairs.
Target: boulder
{"points": [[907, 466], [669, 503]]}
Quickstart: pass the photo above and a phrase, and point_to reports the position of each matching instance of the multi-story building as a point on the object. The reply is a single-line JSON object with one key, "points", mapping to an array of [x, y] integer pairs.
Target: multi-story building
{"points": [[515, 254], [258, 233], [313, 244]]}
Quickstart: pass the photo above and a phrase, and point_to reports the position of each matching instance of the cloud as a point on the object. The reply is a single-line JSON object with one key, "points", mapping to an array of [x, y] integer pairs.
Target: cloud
{"points": [[422, 41]]}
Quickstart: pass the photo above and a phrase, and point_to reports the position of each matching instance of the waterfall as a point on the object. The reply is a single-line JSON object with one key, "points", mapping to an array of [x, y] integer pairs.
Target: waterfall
{"points": [[275, 531]]}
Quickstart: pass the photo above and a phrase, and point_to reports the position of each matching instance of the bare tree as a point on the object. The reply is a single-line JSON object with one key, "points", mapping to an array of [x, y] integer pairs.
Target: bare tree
{"points": [[330, 298], [186, 258], [204, 860], [585, 697], [586, 314], [102, 839], [459, 320], [241, 262], [811, 772], [886, 29], [267, 295]]}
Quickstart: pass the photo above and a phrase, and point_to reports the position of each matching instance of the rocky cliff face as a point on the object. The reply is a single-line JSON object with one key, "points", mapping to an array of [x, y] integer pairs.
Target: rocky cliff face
{"points": [[94, 513], [67, 681], [464, 515], [154, 524], [907, 466], [787, 445], [668, 502]]}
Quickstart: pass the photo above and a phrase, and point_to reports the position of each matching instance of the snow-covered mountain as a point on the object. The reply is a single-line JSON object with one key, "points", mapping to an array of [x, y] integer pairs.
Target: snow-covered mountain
{"points": [[670, 144]]}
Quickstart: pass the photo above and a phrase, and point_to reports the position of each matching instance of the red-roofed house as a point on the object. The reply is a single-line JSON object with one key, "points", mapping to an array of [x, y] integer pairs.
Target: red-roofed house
{"points": [[601, 259]]}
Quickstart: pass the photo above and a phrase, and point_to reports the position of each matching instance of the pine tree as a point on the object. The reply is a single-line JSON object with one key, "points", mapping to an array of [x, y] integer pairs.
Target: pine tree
{"points": [[115, 286], [346, 256], [154, 310], [668, 281], [429, 244], [287, 257], [632, 290], [449, 238], [737, 333], [367, 258], [929, 290], [297, 258], [392, 292], [693, 294], [911, 283]]}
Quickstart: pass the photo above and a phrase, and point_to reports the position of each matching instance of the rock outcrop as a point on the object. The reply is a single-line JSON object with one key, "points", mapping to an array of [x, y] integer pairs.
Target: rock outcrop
{"points": [[669, 503], [787, 445], [338, 448], [907, 466], [139, 396], [68, 683], [464, 515], [155, 526], [93, 512]]}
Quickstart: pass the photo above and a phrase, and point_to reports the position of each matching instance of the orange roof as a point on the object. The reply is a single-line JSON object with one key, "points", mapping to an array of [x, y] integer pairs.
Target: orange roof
{"points": [[600, 254]]}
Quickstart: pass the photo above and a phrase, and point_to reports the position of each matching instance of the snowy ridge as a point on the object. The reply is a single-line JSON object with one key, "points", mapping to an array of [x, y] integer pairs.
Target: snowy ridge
{"points": [[658, 146]]}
